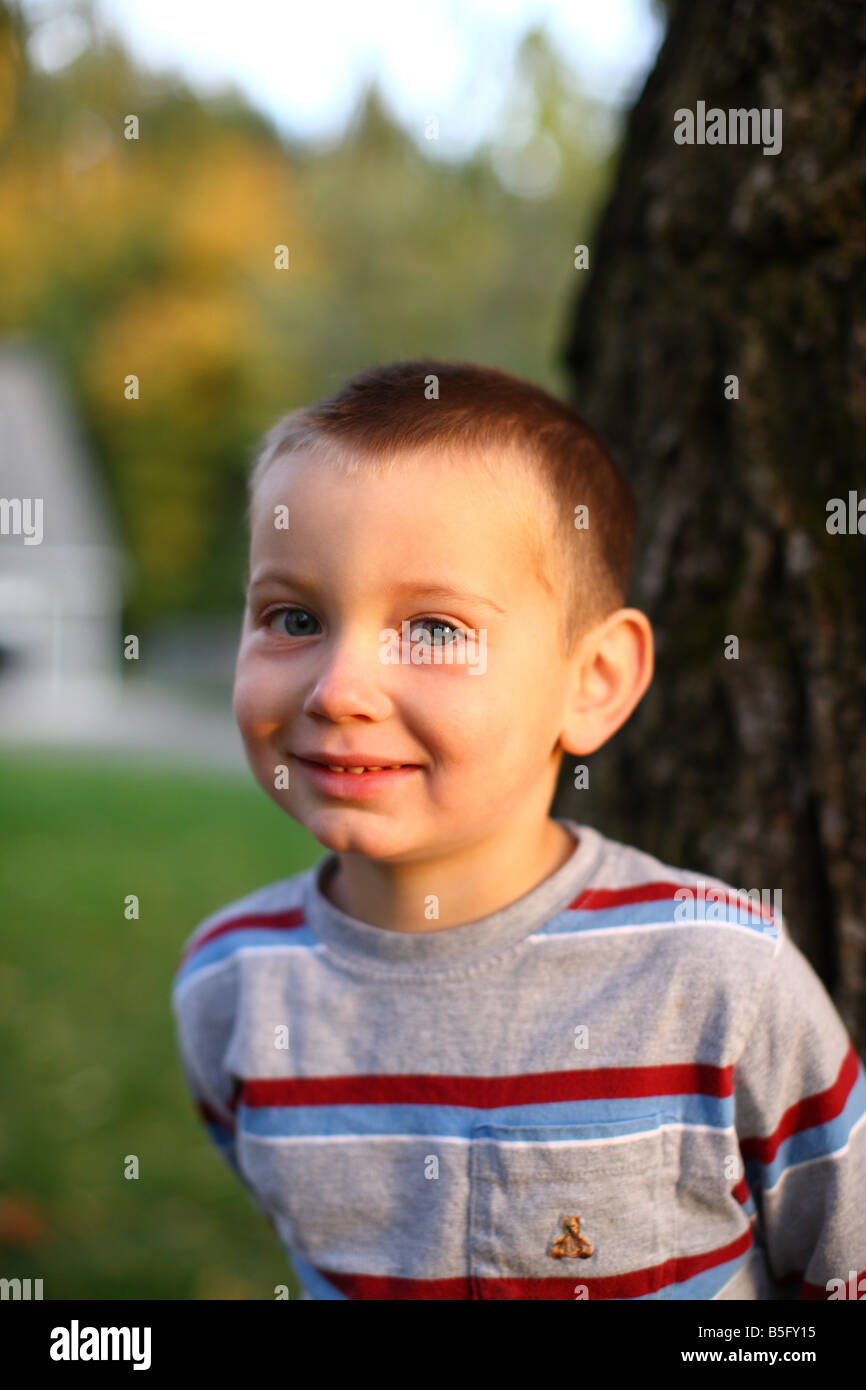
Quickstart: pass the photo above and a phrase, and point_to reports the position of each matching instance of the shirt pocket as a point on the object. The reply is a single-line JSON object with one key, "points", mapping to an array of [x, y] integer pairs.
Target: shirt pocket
{"points": [[607, 1185]]}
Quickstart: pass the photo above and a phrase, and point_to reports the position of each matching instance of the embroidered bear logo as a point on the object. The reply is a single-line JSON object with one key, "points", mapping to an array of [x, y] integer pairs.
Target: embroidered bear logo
{"points": [[571, 1245]]}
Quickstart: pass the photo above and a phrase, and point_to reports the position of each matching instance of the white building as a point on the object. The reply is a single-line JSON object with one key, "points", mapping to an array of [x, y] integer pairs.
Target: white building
{"points": [[61, 565]]}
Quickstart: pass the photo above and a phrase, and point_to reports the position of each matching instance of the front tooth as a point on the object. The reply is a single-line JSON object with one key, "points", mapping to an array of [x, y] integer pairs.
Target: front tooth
{"points": [[332, 767]]}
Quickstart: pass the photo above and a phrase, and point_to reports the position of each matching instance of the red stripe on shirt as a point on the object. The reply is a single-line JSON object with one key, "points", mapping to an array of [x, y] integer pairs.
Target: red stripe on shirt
{"points": [[812, 1110], [597, 899], [292, 917], [635, 1284], [490, 1092]]}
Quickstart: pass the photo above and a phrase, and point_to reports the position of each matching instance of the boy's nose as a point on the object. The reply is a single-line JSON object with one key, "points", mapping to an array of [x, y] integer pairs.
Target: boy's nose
{"points": [[349, 681]]}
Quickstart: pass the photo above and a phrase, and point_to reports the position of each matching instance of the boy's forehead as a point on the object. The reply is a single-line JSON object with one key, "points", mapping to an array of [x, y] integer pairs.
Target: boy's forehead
{"points": [[480, 527], [459, 495]]}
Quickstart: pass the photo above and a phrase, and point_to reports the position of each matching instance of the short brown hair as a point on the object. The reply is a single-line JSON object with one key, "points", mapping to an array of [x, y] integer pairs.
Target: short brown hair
{"points": [[384, 413]]}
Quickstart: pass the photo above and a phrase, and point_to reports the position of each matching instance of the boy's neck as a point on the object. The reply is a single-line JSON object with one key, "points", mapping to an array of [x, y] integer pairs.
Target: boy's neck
{"points": [[483, 879]]}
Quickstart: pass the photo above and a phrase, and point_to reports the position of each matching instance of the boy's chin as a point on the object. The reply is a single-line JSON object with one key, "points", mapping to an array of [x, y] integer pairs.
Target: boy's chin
{"points": [[350, 830]]}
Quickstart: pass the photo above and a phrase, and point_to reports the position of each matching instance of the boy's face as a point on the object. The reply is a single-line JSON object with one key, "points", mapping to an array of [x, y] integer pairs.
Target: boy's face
{"points": [[311, 681]]}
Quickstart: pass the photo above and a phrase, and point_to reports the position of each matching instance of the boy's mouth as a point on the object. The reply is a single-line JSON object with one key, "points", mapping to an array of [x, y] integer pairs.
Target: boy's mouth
{"points": [[355, 779], [353, 762]]}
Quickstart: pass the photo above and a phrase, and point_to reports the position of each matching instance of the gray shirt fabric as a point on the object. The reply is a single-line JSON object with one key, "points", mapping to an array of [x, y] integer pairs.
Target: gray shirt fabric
{"points": [[627, 1084]]}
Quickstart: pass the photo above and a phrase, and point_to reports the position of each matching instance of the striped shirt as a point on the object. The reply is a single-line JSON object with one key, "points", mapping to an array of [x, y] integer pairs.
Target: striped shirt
{"points": [[627, 1084]]}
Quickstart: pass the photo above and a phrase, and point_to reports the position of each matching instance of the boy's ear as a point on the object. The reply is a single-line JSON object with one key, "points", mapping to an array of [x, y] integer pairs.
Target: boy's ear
{"points": [[610, 671]]}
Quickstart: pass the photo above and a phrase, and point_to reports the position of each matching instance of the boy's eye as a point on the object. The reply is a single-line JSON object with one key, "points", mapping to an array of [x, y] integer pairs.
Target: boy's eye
{"points": [[293, 615], [436, 623]]}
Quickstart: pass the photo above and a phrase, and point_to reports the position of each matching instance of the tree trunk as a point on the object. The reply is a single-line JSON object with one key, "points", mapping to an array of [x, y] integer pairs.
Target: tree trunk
{"points": [[712, 260]]}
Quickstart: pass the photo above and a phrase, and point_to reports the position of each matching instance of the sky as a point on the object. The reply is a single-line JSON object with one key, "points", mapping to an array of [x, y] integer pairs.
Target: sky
{"points": [[305, 64]]}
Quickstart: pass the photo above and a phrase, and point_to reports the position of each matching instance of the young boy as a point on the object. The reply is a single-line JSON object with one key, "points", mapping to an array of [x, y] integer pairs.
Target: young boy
{"points": [[475, 1051]]}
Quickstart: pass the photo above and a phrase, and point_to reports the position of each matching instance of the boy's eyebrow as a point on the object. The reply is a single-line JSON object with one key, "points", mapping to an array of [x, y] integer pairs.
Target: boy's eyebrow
{"points": [[413, 586], [408, 586]]}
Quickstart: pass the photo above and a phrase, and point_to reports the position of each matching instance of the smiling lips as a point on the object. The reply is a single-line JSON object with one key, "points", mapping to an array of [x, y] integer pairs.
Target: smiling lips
{"points": [[358, 781], [356, 765]]}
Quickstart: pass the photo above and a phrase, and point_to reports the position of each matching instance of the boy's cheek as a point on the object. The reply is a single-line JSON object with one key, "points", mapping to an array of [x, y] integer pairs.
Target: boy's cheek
{"points": [[241, 701], [254, 704]]}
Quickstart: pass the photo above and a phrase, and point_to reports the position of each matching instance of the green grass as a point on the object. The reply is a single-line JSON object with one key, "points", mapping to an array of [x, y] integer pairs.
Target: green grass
{"points": [[89, 1071]]}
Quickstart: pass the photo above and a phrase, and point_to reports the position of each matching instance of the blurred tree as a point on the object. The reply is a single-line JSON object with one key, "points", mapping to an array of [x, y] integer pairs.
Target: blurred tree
{"points": [[718, 260]]}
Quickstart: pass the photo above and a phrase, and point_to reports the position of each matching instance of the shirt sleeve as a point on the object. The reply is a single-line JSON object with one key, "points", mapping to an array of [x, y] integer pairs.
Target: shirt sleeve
{"points": [[800, 1114], [204, 1008], [219, 1125]]}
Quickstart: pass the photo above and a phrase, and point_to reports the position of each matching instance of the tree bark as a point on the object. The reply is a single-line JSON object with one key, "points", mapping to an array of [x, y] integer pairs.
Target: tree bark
{"points": [[712, 260]]}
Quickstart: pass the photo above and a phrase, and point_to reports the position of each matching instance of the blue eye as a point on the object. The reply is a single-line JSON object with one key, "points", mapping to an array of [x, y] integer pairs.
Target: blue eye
{"points": [[288, 613], [443, 626]]}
